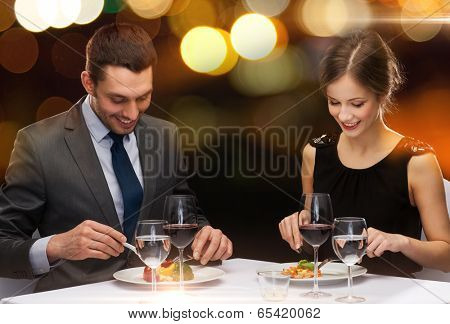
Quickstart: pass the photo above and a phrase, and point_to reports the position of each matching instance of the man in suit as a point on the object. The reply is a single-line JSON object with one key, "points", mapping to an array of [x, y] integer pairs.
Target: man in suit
{"points": [[84, 177]]}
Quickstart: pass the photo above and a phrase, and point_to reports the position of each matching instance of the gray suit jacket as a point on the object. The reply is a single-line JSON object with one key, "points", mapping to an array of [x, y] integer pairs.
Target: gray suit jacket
{"points": [[54, 182]]}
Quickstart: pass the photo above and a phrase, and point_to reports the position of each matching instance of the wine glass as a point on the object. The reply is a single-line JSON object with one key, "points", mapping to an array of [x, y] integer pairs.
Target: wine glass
{"points": [[180, 212], [152, 244], [349, 241], [316, 219]]}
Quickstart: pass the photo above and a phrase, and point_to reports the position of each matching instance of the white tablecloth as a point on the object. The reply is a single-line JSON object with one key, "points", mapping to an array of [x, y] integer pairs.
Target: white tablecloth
{"points": [[239, 285]]}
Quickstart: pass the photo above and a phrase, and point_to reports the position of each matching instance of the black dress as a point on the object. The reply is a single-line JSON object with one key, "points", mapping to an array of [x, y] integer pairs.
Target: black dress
{"points": [[379, 194]]}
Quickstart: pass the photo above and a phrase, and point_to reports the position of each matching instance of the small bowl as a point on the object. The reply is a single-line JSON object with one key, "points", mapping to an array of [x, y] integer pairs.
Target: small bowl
{"points": [[273, 285]]}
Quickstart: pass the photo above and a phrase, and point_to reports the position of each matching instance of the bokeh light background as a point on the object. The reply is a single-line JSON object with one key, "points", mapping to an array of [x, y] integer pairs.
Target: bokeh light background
{"points": [[229, 63]]}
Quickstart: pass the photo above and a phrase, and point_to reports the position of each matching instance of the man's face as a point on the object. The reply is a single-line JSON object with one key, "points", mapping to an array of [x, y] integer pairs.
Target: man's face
{"points": [[122, 97]]}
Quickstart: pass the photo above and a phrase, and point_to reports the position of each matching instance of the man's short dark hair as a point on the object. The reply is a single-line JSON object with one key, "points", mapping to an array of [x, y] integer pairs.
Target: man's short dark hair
{"points": [[122, 44]]}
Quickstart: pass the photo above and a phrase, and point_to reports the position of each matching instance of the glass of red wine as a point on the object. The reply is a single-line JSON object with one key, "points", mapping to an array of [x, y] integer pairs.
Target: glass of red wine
{"points": [[315, 224], [180, 211], [349, 241]]}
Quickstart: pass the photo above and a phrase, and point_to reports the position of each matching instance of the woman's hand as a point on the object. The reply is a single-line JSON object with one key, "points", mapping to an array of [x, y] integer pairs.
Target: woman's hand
{"points": [[379, 242], [289, 229]]}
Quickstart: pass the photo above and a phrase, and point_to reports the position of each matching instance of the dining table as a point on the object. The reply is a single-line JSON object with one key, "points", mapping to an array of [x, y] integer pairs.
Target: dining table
{"points": [[238, 284]]}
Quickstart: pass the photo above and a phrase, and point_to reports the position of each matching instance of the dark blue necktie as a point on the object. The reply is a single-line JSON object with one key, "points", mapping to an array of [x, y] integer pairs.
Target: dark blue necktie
{"points": [[130, 186]]}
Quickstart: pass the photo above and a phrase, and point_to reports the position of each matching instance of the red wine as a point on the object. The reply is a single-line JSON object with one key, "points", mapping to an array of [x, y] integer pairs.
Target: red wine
{"points": [[315, 234], [181, 235]]}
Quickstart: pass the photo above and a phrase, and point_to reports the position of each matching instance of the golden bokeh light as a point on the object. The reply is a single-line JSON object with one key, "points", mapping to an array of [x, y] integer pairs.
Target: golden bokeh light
{"points": [[178, 6], [59, 13], [8, 132], [197, 13], [390, 3], [150, 9], [253, 36], [269, 76], [323, 18], [203, 49], [19, 50], [27, 14], [267, 8], [151, 26], [52, 106], [422, 7], [231, 57], [415, 19], [333, 17], [90, 10], [282, 38], [7, 17], [68, 55]]}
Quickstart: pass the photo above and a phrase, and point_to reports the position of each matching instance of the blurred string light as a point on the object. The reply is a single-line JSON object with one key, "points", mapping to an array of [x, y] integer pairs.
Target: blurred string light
{"points": [[151, 26], [150, 9], [28, 15], [231, 57], [7, 16], [68, 55], [416, 19], [90, 10], [253, 36], [52, 106], [203, 49], [269, 76], [197, 13], [113, 6], [267, 8], [18, 50], [59, 13], [332, 17]]}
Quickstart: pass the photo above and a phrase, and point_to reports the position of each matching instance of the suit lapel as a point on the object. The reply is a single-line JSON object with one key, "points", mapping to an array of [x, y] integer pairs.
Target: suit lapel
{"points": [[143, 137], [80, 145]]}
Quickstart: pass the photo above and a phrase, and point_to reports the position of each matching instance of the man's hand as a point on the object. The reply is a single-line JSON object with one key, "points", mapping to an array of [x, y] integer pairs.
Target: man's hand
{"points": [[211, 244], [379, 242], [88, 240]]}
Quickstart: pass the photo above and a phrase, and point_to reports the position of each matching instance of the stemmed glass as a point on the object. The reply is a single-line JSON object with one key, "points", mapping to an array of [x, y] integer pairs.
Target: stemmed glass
{"points": [[180, 212], [316, 219], [152, 244], [350, 243]]}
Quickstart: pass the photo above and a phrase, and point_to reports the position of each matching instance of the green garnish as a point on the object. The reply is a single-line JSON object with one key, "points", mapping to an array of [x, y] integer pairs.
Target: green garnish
{"points": [[305, 264]]}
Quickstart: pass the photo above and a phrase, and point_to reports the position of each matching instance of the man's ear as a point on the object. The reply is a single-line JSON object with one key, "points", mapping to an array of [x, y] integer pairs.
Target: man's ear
{"points": [[87, 83]]}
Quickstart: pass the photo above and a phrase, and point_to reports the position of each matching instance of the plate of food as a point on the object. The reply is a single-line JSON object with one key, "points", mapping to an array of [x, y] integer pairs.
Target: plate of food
{"points": [[330, 273], [168, 274]]}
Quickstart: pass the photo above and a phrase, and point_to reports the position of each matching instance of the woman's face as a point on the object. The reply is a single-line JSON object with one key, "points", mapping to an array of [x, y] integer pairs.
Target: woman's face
{"points": [[354, 106]]}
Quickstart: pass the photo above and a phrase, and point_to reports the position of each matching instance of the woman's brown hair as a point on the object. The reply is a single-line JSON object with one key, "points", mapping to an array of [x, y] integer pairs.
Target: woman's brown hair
{"points": [[366, 56]]}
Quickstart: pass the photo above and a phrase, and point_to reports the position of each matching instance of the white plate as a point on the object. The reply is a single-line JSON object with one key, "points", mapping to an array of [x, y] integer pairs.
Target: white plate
{"points": [[201, 274], [331, 273]]}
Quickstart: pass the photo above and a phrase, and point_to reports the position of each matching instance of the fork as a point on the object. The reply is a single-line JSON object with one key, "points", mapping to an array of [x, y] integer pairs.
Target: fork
{"points": [[185, 258]]}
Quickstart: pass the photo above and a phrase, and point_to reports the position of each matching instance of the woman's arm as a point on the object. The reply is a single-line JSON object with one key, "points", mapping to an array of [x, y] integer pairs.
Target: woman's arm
{"points": [[289, 225], [308, 162], [427, 187], [428, 194]]}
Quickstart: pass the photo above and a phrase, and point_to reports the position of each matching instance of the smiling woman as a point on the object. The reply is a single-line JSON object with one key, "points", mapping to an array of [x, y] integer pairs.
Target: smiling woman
{"points": [[371, 171]]}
